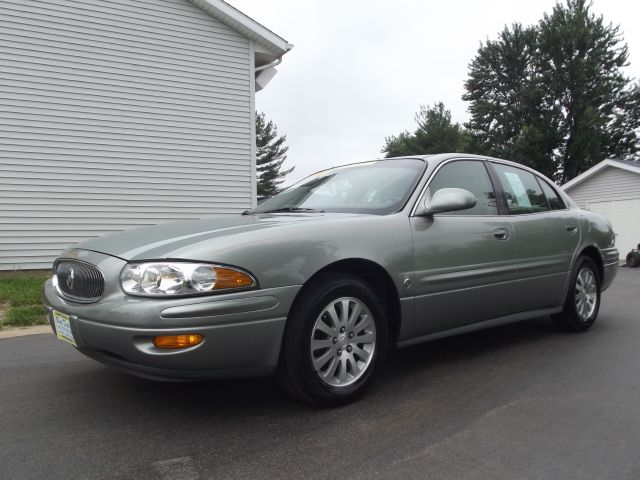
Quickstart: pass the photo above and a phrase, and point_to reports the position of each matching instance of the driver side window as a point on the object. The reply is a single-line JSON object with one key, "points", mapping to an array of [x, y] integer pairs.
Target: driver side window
{"points": [[472, 176]]}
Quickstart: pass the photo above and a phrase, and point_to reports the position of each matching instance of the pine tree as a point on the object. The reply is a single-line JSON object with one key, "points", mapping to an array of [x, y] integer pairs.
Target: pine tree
{"points": [[435, 134], [271, 153]]}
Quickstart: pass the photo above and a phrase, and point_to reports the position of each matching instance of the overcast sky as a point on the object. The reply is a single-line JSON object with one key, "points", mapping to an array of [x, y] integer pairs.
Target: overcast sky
{"points": [[360, 69]]}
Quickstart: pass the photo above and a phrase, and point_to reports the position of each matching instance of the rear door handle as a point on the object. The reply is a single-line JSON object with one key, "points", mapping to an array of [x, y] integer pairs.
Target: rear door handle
{"points": [[572, 228], [502, 234]]}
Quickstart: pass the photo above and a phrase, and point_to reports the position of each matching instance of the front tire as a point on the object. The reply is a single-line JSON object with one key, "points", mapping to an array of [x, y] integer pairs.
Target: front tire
{"points": [[583, 298], [335, 341]]}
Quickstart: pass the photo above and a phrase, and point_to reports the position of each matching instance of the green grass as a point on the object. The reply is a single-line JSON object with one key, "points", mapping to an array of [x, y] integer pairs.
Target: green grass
{"points": [[21, 299]]}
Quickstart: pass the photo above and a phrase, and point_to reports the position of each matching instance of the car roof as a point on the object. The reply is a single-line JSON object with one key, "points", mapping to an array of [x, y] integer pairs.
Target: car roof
{"points": [[437, 158]]}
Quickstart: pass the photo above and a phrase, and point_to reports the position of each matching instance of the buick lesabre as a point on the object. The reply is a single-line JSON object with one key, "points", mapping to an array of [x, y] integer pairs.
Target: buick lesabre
{"points": [[316, 284]]}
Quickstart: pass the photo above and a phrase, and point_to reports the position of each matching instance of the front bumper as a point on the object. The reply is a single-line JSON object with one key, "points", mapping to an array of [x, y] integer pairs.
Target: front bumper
{"points": [[242, 331]]}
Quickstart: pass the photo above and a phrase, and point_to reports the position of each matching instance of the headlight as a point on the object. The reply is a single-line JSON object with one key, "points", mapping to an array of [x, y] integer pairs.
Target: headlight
{"points": [[172, 279]]}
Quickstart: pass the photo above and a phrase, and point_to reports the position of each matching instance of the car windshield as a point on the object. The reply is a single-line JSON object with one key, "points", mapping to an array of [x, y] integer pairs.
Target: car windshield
{"points": [[379, 187]]}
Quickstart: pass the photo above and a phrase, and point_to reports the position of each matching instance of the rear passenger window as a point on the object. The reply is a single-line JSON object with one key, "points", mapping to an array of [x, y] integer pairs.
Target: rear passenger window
{"points": [[555, 203], [524, 194], [472, 176]]}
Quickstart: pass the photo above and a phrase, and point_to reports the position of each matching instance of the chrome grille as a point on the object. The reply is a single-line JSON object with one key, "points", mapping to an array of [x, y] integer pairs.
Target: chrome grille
{"points": [[79, 281]]}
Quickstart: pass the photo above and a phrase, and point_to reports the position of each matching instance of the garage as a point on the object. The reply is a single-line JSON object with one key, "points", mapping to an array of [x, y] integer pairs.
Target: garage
{"points": [[612, 188], [625, 218]]}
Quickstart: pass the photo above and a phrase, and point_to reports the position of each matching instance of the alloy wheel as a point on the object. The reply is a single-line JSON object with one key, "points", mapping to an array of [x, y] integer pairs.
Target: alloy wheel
{"points": [[586, 293], [343, 341]]}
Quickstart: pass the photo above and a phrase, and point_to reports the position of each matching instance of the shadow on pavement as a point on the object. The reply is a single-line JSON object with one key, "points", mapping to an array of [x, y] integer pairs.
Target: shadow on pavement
{"points": [[240, 396]]}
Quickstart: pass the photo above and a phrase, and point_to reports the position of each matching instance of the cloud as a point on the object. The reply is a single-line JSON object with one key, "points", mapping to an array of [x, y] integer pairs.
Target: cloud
{"points": [[360, 69]]}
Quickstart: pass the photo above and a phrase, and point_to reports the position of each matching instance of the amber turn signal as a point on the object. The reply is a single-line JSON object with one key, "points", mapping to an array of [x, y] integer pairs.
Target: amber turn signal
{"points": [[178, 341], [229, 278]]}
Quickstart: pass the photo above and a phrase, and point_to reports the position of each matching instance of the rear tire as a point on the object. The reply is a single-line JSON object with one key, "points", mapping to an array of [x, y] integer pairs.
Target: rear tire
{"points": [[583, 298], [335, 341]]}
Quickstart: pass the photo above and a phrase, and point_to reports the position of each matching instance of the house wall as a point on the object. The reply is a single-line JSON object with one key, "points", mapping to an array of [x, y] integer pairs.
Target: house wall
{"points": [[608, 184], [116, 114]]}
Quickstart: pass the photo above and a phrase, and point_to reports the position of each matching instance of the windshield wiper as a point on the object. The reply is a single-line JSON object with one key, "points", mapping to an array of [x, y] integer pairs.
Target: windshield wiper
{"points": [[293, 210]]}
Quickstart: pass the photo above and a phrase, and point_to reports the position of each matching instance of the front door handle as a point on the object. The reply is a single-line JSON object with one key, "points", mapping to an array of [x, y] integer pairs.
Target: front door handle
{"points": [[502, 234]]}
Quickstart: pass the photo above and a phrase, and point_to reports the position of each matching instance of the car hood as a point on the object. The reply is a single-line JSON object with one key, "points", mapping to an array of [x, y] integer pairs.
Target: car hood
{"points": [[173, 240]]}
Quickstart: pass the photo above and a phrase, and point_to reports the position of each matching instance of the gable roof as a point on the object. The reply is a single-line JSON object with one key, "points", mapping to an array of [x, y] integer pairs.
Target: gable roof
{"points": [[628, 165], [245, 25]]}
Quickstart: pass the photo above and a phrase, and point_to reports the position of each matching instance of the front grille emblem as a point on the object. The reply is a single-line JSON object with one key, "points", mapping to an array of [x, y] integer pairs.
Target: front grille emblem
{"points": [[70, 278], [79, 281]]}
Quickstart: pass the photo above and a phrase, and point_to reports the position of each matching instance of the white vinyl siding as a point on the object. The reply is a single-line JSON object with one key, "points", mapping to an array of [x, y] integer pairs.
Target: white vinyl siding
{"points": [[608, 184], [116, 114]]}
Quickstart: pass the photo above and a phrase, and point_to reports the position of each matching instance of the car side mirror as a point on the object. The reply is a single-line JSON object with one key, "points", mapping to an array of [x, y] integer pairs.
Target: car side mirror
{"points": [[448, 200]]}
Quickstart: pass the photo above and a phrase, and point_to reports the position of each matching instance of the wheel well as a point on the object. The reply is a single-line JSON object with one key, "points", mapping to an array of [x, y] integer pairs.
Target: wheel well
{"points": [[594, 254], [377, 277]]}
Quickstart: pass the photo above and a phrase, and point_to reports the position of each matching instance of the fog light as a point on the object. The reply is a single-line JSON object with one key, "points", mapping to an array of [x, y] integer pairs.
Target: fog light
{"points": [[178, 341]]}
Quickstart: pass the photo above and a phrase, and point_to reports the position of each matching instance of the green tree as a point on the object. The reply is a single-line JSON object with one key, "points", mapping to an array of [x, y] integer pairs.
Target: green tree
{"points": [[507, 118], [595, 106], [435, 133], [553, 96], [270, 155]]}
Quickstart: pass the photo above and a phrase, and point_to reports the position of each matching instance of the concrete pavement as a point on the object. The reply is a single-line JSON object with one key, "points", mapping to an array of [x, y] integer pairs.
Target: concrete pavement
{"points": [[520, 401]]}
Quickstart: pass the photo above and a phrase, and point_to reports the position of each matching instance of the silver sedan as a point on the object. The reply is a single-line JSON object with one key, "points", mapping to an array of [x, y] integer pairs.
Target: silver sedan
{"points": [[317, 283]]}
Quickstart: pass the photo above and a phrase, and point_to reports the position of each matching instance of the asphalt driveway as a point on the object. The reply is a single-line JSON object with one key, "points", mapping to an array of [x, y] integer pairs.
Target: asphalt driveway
{"points": [[521, 401]]}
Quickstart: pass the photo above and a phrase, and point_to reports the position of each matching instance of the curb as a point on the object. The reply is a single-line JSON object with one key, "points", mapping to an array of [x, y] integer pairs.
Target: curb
{"points": [[24, 331]]}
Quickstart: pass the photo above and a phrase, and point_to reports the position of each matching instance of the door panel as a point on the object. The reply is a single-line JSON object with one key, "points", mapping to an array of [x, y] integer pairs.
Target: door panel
{"points": [[546, 236], [464, 260], [464, 271], [545, 245]]}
